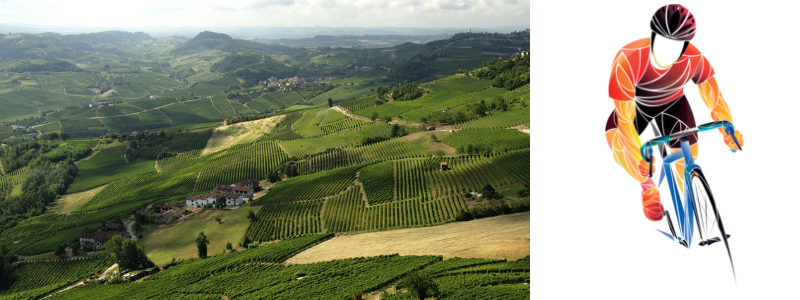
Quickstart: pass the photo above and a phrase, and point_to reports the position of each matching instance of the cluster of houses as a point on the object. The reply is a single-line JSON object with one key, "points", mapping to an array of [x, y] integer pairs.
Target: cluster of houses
{"points": [[23, 127], [234, 194], [97, 240], [100, 104], [274, 81]]}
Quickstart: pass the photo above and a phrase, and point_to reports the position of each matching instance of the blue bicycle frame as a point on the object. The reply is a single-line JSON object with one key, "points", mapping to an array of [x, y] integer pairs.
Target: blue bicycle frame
{"points": [[684, 207]]}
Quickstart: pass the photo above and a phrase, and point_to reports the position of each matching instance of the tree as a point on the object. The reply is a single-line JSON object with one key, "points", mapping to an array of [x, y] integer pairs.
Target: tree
{"points": [[488, 191], [395, 130], [52, 136], [220, 203], [251, 216], [60, 251], [274, 176], [330, 102], [128, 254], [202, 244], [64, 136], [434, 138], [501, 103], [421, 285], [228, 246], [218, 219], [374, 116], [381, 91]]}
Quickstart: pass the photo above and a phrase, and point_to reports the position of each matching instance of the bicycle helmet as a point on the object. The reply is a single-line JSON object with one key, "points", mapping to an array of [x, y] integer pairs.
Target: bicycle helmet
{"points": [[674, 22]]}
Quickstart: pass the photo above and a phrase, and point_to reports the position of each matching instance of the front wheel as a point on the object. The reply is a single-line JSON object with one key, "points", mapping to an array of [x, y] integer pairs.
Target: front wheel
{"points": [[709, 223]]}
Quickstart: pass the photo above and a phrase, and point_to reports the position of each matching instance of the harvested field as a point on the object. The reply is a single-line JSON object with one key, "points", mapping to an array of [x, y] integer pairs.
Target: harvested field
{"points": [[68, 202], [225, 136], [498, 237]]}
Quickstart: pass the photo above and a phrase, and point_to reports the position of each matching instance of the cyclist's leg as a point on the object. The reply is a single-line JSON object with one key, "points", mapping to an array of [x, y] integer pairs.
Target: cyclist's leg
{"points": [[677, 118], [651, 203]]}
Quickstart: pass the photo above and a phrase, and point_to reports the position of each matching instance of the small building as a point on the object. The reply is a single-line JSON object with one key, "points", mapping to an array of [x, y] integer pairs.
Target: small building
{"points": [[152, 97], [168, 217], [443, 166], [160, 208], [98, 240], [114, 227]]}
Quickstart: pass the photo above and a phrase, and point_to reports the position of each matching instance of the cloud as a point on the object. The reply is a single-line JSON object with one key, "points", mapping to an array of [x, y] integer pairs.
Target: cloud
{"points": [[454, 4], [250, 5]]}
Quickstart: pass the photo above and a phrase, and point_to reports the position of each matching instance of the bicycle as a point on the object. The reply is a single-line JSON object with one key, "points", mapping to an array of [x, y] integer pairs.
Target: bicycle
{"points": [[697, 200]]}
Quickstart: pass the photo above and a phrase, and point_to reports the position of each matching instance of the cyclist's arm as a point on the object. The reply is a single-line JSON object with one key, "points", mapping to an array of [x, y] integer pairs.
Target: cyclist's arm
{"points": [[714, 100], [626, 143], [709, 90]]}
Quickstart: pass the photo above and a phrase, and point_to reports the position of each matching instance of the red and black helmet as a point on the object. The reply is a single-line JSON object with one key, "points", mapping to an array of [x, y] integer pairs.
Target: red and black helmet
{"points": [[674, 22]]}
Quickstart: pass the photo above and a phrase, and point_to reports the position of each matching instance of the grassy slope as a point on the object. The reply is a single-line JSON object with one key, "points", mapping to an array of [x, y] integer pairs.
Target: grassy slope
{"points": [[168, 241]]}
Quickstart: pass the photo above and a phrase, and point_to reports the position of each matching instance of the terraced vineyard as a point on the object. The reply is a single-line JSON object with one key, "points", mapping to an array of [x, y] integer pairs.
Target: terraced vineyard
{"points": [[501, 120], [32, 279], [378, 181], [279, 221], [327, 183], [391, 149], [492, 138], [347, 212], [10, 180], [241, 162], [139, 189]]}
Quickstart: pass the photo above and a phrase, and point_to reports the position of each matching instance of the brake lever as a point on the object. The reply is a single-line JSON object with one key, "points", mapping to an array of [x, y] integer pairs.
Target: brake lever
{"points": [[732, 133]]}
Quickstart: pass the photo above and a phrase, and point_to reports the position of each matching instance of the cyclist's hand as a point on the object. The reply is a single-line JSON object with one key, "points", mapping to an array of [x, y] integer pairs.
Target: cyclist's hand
{"points": [[731, 144], [644, 167]]}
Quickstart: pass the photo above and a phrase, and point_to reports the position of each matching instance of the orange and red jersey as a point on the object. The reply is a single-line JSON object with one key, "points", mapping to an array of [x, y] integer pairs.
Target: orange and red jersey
{"points": [[635, 77]]}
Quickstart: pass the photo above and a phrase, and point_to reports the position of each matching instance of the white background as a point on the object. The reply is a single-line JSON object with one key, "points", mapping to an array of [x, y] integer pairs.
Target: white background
{"points": [[589, 234]]}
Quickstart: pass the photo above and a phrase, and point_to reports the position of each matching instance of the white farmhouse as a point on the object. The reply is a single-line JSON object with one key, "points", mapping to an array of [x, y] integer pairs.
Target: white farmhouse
{"points": [[198, 201]]}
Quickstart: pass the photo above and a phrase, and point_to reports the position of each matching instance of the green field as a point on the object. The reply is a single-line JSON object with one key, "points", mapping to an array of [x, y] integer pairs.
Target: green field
{"points": [[177, 241]]}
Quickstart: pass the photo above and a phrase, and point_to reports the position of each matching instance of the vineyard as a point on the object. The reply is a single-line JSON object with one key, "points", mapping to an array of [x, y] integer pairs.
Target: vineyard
{"points": [[392, 149], [327, 183], [494, 139], [240, 162], [501, 120], [49, 275], [378, 181], [140, 189], [279, 221], [347, 212], [359, 104], [10, 180]]}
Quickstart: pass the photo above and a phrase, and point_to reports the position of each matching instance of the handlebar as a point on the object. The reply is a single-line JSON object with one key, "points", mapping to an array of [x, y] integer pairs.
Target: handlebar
{"points": [[647, 148]]}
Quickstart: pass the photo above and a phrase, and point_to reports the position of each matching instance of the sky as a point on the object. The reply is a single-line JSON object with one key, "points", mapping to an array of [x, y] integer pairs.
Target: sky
{"points": [[268, 13]]}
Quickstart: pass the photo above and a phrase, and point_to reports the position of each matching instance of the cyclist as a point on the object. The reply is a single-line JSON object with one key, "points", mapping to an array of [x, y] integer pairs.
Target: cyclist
{"points": [[645, 87]]}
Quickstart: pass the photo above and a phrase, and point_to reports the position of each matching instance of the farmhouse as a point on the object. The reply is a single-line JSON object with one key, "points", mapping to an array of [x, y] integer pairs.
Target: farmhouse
{"points": [[167, 217], [166, 213], [244, 187], [98, 240], [199, 201]]}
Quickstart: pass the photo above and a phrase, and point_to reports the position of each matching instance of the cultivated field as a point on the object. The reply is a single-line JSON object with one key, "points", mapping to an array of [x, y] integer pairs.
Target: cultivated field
{"points": [[501, 237]]}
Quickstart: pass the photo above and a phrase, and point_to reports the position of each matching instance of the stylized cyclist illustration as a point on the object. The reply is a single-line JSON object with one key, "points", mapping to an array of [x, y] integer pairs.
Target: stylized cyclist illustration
{"points": [[646, 85]]}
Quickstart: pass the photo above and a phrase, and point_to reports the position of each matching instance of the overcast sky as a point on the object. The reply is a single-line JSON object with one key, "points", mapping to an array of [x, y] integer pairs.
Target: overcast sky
{"points": [[268, 13]]}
